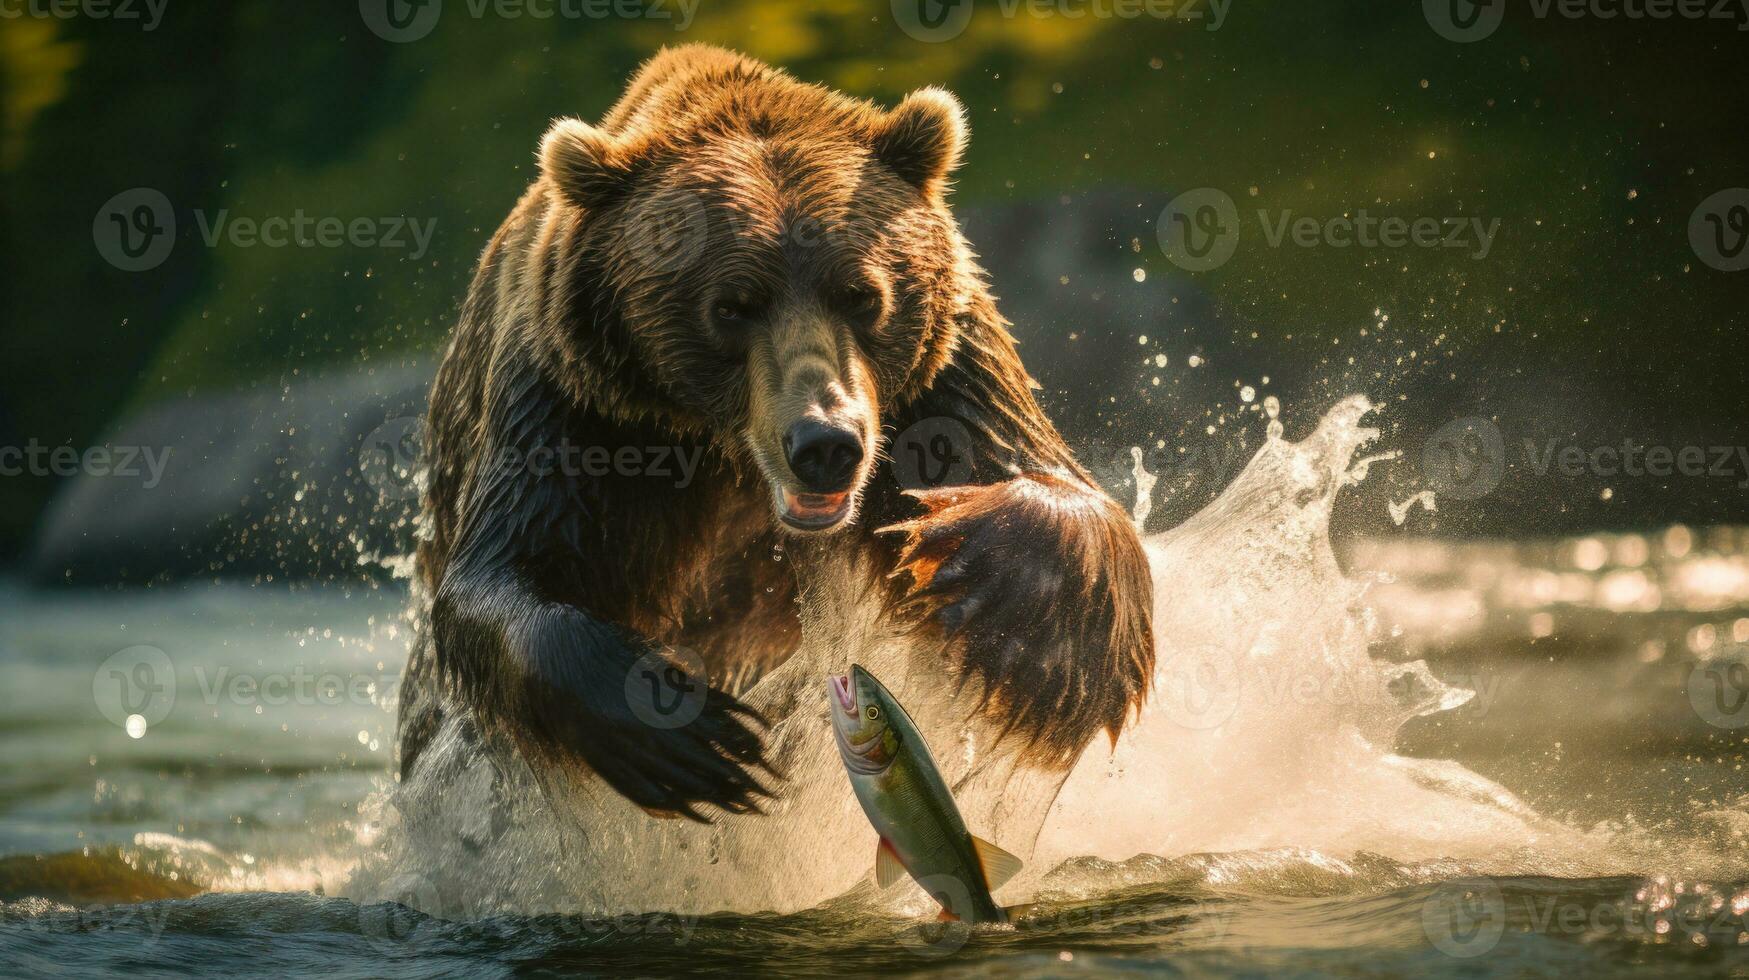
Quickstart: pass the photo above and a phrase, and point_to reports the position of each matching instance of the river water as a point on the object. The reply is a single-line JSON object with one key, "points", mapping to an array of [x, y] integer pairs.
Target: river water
{"points": [[1402, 757]]}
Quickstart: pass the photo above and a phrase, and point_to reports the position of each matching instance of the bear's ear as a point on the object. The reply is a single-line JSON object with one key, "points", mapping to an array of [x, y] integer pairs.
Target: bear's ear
{"points": [[923, 138], [587, 165]]}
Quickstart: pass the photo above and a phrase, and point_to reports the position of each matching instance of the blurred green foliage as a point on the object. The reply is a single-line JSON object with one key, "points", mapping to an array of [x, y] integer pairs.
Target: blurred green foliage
{"points": [[1591, 141]]}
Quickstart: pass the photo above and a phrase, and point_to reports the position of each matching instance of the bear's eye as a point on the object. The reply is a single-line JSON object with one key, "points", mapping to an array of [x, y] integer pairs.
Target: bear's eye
{"points": [[859, 304], [858, 299], [734, 311]]}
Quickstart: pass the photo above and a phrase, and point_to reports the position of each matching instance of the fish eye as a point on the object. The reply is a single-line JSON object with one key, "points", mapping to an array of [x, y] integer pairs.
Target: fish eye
{"points": [[872, 713]]}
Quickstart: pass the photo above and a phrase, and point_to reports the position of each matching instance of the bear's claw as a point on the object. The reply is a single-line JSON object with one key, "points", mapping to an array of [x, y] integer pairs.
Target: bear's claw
{"points": [[573, 708], [1041, 584]]}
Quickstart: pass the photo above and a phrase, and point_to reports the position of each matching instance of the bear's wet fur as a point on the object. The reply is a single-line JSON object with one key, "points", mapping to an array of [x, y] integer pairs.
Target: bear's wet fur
{"points": [[729, 252]]}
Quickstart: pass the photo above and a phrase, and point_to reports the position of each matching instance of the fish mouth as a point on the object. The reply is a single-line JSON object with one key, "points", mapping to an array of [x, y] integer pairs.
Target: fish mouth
{"points": [[866, 757], [841, 689]]}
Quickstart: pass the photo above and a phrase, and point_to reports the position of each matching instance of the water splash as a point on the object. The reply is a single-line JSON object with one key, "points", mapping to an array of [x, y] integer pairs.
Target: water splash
{"points": [[1270, 726], [1144, 489]]}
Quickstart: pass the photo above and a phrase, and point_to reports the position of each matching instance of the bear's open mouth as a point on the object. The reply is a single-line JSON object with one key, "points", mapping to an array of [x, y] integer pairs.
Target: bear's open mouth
{"points": [[812, 511]]}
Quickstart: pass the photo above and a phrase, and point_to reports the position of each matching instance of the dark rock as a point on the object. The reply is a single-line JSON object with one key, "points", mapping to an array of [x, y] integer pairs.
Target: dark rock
{"points": [[293, 482]]}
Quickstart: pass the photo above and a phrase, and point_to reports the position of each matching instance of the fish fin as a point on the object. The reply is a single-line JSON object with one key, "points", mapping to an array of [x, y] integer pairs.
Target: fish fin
{"points": [[999, 865], [888, 868]]}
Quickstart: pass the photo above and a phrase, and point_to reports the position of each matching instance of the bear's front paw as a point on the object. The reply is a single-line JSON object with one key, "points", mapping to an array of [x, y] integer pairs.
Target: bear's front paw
{"points": [[648, 724], [1042, 586]]}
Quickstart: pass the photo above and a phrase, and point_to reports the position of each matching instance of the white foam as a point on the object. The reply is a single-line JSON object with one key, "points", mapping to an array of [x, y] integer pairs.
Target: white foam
{"points": [[1270, 726]]}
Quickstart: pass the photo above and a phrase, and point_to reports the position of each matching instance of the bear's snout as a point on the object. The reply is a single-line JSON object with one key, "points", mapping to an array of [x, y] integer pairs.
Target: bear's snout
{"points": [[823, 457], [813, 419]]}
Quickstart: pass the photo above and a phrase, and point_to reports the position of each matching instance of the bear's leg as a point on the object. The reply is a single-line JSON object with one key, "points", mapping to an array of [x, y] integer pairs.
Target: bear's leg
{"points": [[513, 639], [554, 678]]}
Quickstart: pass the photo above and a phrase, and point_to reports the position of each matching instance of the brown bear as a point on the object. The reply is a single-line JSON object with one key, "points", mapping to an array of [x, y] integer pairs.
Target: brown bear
{"points": [[762, 276]]}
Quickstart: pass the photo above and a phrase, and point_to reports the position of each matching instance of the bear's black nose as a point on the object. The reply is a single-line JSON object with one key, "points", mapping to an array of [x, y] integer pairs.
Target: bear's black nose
{"points": [[824, 457]]}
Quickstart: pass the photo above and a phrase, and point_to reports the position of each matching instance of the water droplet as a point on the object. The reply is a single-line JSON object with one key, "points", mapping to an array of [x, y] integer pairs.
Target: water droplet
{"points": [[1144, 488]]}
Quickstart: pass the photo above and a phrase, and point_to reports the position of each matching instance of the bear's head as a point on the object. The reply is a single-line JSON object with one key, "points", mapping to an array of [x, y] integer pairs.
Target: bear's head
{"points": [[774, 264]]}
